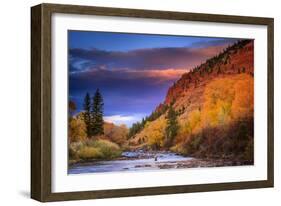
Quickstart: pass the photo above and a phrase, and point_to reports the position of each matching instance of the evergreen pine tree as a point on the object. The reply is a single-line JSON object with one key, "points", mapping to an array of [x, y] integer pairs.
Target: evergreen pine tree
{"points": [[172, 127], [97, 114], [87, 114]]}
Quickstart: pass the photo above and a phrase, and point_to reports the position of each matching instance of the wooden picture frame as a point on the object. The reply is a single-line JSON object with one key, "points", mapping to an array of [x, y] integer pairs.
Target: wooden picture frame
{"points": [[41, 95]]}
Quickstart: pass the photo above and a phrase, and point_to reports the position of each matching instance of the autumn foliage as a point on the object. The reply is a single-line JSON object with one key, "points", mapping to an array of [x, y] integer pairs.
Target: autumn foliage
{"points": [[224, 127], [208, 112], [228, 99], [114, 133], [77, 129], [214, 105], [90, 138]]}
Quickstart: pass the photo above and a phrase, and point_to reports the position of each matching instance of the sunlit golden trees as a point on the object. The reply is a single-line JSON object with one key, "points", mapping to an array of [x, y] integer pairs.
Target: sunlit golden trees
{"points": [[227, 99], [76, 126], [218, 97], [243, 103], [77, 129], [155, 133], [224, 125], [190, 125]]}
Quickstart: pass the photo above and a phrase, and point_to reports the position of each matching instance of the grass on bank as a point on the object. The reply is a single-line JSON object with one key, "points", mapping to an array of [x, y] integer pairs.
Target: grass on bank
{"points": [[99, 149]]}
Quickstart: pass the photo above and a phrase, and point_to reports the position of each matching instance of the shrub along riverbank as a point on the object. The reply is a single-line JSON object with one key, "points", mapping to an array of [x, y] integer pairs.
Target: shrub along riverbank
{"points": [[91, 150], [234, 141]]}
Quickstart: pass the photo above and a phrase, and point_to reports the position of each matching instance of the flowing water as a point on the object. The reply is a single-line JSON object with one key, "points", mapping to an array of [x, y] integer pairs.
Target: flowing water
{"points": [[132, 161]]}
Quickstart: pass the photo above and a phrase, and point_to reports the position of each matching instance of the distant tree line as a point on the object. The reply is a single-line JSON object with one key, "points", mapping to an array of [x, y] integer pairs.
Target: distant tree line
{"points": [[138, 126], [222, 56], [171, 128]]}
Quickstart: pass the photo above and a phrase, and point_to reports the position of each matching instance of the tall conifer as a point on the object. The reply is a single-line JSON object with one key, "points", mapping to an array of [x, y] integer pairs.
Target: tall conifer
{"points": [[172, 127], [97, 114]]}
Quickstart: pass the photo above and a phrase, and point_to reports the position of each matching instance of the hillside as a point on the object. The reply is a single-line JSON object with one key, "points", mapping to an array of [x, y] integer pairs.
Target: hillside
{"points": [[213, 103], [234, 60]]}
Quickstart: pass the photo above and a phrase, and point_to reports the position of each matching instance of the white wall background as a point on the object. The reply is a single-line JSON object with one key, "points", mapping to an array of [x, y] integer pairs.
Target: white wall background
{"points": [[15, 102]]}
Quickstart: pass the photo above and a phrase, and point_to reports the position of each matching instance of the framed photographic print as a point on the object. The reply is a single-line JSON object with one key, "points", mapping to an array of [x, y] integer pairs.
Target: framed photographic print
{"points": [[132, 102]]}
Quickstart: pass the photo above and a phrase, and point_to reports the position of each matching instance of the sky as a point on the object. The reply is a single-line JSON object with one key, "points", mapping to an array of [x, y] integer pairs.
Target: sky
{"points": [[132, 71]]}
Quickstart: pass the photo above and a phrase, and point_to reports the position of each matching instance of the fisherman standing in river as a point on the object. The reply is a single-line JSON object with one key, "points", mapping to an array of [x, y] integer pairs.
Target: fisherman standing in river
{"points": [[155, 158]]}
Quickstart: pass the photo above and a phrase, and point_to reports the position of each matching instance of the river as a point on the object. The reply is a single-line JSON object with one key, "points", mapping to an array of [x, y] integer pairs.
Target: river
{"points": [[133, 161]]}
